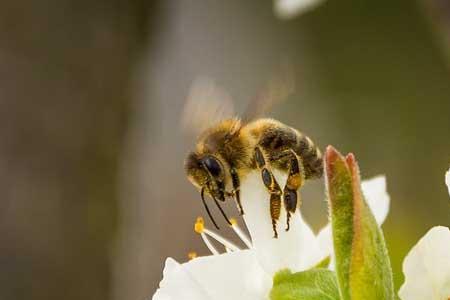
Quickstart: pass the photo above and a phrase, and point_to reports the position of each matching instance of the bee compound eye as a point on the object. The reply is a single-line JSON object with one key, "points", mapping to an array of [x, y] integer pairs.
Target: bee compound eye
{"points": [[213, 166]]}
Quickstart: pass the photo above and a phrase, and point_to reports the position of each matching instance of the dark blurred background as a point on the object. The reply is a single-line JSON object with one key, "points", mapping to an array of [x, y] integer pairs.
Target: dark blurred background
{"points": [[93, 195]]}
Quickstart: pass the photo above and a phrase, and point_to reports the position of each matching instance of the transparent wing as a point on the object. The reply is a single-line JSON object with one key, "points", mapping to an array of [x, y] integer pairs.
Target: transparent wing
{"points": [[278, 89], [206, 105]]}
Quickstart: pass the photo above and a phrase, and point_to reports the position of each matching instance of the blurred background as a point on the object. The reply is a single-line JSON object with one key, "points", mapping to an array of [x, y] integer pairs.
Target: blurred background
{"points": [[93, 195]]}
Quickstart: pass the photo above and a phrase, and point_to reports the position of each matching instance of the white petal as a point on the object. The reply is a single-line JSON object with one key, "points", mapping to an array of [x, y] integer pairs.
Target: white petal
{"points": [[324, 238], [235, 275], [177, 284], [286, 9], [377, 197], [296, 249], [378, 200], [325, 241], [427, 267], [159, 295], [447, 180]]}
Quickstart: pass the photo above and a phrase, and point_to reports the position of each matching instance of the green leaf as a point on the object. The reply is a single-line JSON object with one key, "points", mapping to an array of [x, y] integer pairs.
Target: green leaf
{"points": [[314, 284], [324, 263], [362, 262]]}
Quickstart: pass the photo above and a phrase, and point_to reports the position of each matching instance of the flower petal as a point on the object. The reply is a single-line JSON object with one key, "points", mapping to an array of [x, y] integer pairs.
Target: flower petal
{"points": [[177, 284], [447, 180], [377, 198], [287, 9], [296, 249], [427, 267], [325, 241], [159, 295], [234, 275]]}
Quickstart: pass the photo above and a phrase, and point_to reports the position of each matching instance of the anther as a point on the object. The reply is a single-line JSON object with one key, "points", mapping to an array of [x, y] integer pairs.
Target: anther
{"points": [[192, 255], [199, 225]]}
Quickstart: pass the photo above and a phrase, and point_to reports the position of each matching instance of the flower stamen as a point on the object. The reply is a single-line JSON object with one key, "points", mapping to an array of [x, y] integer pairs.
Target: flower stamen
{"points": [[199, 227], [240, 233], [205, 233], [221, 240]]}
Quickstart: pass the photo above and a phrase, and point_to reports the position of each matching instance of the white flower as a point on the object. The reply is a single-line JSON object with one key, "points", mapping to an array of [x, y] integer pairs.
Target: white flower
{"points": [[234, 275], [287, 9], [247, 274], [427, 265], [447, 180]]}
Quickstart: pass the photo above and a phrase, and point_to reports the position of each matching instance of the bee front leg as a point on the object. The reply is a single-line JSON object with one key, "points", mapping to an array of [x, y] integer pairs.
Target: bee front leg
{"points": [[272, 186], [293, 183]]}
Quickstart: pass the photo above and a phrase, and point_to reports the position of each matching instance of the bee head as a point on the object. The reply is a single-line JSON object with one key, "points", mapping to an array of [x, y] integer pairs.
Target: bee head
{"points": [[207, 173]]}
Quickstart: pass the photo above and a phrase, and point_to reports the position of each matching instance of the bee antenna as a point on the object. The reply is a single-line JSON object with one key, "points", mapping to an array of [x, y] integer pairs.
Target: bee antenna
{"points": [[202, 193], [221, 210]]}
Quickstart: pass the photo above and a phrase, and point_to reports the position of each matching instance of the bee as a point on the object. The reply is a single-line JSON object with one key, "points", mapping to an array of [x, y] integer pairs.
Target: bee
{"points": [[228, 151]]}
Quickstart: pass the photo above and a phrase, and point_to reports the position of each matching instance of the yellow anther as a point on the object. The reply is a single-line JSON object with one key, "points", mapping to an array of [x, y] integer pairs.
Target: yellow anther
{"points": [[233, 221], [199, 225], [192, 255]]}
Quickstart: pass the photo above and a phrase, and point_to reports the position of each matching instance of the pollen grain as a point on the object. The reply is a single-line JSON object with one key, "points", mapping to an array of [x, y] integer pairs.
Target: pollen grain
{"points": [[199, 225], [192, 255]]}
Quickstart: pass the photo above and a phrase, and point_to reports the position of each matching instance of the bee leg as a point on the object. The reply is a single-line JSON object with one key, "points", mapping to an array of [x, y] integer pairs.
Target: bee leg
{"points": [[275, 204], [272, 186], [293, 183], [236, 188]]}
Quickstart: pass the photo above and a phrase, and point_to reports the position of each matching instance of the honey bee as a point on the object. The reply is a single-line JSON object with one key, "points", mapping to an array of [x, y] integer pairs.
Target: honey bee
{"points": [[232, 148]]}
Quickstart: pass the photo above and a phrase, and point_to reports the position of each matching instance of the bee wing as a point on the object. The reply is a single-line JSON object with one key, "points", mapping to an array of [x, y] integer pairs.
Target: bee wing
{"points": [[278, 89], [205, 105]]}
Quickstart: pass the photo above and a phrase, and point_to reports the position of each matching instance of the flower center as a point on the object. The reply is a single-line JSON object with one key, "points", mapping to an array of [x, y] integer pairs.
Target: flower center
{"points": [[206, 234]]}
